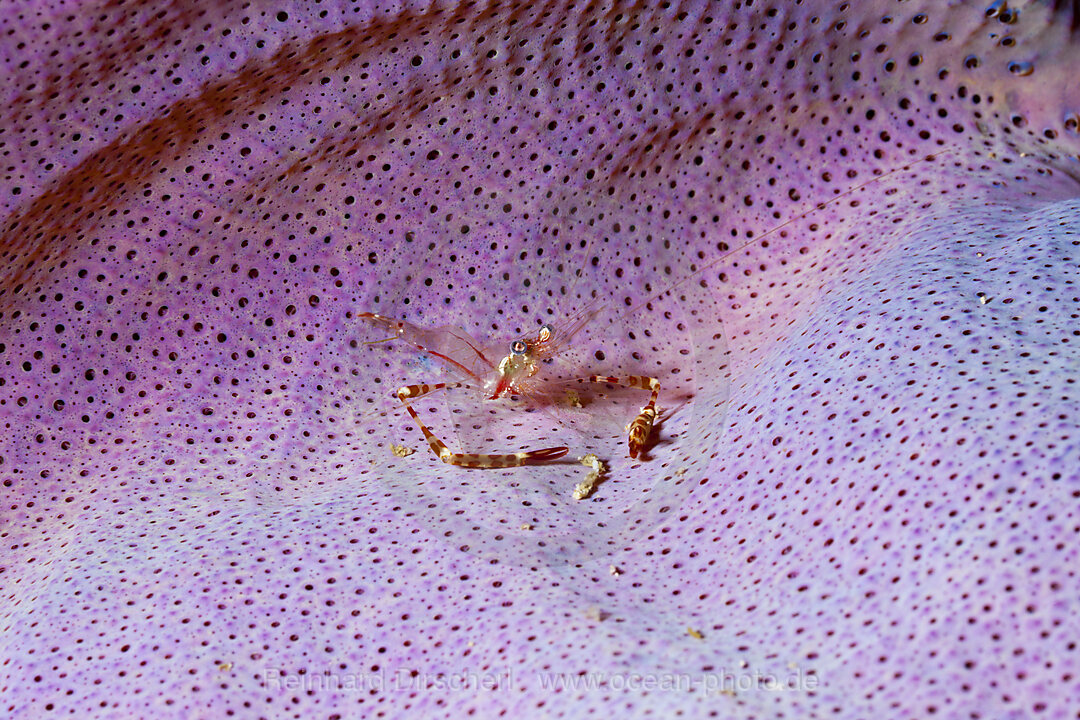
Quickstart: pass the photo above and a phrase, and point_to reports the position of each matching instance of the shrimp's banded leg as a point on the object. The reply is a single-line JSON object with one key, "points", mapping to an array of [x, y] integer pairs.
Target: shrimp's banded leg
{"points": [[470, 460], [641, 427]]}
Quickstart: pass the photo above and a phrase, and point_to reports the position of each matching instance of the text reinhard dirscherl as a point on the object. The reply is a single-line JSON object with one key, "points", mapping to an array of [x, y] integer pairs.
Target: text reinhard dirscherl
{"points": [[720, 682]]}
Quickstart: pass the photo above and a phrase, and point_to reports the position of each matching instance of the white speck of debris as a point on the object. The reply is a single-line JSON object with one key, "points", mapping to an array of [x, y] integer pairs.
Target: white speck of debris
{"points": [[401, 450], [595, 614], [586, 486], [526, 526], [614, 570]]}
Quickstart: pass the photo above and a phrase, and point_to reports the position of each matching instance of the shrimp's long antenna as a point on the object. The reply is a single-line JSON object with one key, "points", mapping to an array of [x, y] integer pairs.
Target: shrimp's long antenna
{"points": [[563, 335], [452, 361], [474, 349], [376, 342]]}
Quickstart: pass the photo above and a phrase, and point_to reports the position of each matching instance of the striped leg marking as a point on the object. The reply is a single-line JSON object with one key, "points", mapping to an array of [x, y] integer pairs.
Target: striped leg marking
{"points": [[470, 460], [642, 425]]}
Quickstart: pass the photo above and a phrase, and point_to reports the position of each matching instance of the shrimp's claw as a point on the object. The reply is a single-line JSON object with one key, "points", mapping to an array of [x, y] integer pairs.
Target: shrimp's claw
{"points": [[486, 460], [640, 429], [539, 456]]}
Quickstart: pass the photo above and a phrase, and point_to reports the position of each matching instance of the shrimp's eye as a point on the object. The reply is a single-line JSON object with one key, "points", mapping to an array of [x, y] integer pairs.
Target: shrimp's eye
{"points": [[518, 347], [547, 331]]}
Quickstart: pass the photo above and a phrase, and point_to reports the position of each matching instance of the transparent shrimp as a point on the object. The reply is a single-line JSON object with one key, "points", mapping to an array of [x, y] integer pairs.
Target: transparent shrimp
{"points": [[519, 372]]}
